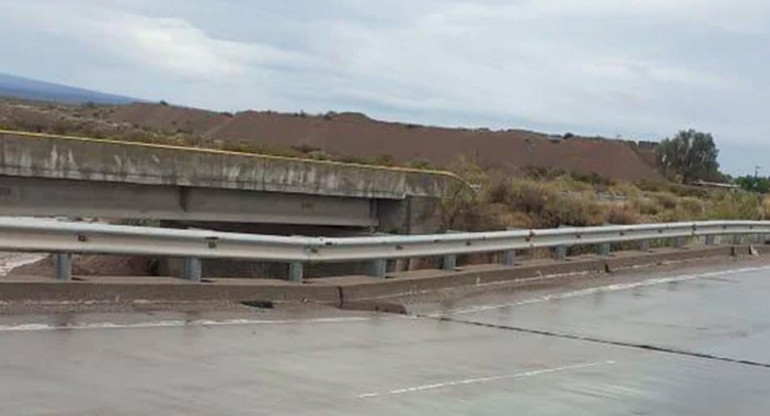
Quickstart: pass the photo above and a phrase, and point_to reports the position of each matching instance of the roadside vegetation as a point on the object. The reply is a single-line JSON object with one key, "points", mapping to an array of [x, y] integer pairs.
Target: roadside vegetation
{"points": [[539, 198]]}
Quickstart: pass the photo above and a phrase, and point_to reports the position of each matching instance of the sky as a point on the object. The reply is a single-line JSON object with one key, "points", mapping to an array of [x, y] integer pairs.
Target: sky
{"points": [[637, 69]]}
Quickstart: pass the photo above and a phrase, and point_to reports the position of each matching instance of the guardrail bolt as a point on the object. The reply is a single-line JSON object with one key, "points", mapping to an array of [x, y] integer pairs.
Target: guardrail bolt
{"points": [[560, 252], [192, 269], [603, 249], [63, 266], [296, 270], [509, 258], [710, 240], [449, 262], [378, 268]]}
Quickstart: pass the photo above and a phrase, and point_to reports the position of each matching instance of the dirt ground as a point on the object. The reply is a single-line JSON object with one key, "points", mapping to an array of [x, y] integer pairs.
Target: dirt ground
{"points": [[82, 265]]}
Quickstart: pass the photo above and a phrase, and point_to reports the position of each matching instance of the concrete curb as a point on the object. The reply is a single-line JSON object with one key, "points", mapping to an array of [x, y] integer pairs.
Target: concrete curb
{"points": [[358, 294], [477, 276], [173, 292]]}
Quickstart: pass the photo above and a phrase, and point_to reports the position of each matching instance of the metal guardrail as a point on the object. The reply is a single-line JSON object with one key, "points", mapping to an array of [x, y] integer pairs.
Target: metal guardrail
{"points": [[66, 238]]}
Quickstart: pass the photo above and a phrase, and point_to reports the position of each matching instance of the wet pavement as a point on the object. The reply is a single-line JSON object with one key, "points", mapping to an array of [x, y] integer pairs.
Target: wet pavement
{"points": [[687, 342]]}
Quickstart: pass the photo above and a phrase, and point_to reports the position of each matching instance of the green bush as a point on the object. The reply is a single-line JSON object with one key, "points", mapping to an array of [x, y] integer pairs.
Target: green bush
{"points": [[420, 164]]}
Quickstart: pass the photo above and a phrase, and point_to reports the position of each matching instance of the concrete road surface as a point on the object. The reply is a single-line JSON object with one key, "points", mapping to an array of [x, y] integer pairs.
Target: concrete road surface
{"points": [[688, 342]]}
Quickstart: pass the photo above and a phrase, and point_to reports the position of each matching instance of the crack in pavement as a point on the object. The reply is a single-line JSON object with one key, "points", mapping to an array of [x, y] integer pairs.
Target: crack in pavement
{"points": [[597, 340]]}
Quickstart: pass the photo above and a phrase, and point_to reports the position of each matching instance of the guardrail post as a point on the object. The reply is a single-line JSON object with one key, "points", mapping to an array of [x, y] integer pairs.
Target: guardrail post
{"points": [[378, 268], [449, 262], [737, 239], [509, 258], [645, 245], [560, 252], [604, 249], [192, 269], [296, 271], [710, 239], [678, 242], [63, 266]]}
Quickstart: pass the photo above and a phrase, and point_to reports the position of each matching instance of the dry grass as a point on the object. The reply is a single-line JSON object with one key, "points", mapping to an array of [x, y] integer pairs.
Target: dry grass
{"points": [[553, 200]]}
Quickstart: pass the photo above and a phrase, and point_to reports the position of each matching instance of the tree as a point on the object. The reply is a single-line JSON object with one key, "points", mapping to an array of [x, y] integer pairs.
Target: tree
{"points": [[689, 156], [754, 184]]}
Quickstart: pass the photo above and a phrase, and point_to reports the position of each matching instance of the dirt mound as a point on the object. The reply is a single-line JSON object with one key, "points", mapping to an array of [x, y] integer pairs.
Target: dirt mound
{"points": [[355, 134], [169, 118], [351, 134]]}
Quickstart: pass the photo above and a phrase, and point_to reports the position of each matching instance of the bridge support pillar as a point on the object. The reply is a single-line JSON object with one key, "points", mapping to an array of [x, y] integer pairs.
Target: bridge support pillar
{"points": [[192, 269], [63, 266]]}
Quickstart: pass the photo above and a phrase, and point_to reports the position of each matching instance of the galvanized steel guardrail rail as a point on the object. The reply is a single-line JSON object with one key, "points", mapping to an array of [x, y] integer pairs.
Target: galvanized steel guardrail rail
{"points": [[66, 238]]}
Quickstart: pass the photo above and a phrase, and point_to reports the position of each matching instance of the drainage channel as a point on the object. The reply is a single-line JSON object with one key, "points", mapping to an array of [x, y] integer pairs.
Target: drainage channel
{"points": [[586, 338]]}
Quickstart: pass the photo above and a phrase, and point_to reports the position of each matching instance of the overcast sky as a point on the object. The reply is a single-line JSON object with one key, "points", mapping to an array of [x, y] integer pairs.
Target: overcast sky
{"points": [[639, 69]]}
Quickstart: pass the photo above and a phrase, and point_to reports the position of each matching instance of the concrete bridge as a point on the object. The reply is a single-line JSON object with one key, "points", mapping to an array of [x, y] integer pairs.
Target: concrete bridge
{"points": [[52, 175]]}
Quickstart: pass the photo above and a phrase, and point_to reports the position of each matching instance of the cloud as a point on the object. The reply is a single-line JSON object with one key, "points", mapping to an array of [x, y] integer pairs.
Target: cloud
{"points": [[638, 68], [165, 44]]}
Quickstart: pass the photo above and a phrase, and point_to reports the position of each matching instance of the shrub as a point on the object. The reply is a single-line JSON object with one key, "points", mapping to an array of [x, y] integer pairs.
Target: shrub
{"points": [[530, 197], [665, 199], [460, 209], [571, 211], [384, 160], [499, 191], [646, 206], [693, 207], [420, 164], [305, 148], [736, 205], [624, 214], [766, 207]]}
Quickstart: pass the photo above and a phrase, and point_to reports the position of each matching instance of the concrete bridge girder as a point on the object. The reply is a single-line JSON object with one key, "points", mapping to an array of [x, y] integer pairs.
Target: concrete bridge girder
{"points": [[56, 175]]}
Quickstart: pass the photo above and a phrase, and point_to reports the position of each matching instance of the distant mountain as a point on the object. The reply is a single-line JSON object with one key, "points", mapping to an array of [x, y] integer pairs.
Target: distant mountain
{"points": [[30, 89]]}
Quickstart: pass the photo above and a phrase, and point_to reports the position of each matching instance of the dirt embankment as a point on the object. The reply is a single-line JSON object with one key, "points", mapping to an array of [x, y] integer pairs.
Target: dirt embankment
{"points": [[342, 134], [355, 134]]}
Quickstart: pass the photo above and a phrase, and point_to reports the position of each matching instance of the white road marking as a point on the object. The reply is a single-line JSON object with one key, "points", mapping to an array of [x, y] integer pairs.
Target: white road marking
{"points": [[453, 383], [172, 324], [600, 289]]}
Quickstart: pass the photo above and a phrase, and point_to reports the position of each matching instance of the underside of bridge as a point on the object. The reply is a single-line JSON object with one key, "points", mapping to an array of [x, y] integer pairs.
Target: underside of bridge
{"points": [[223, 209]]}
